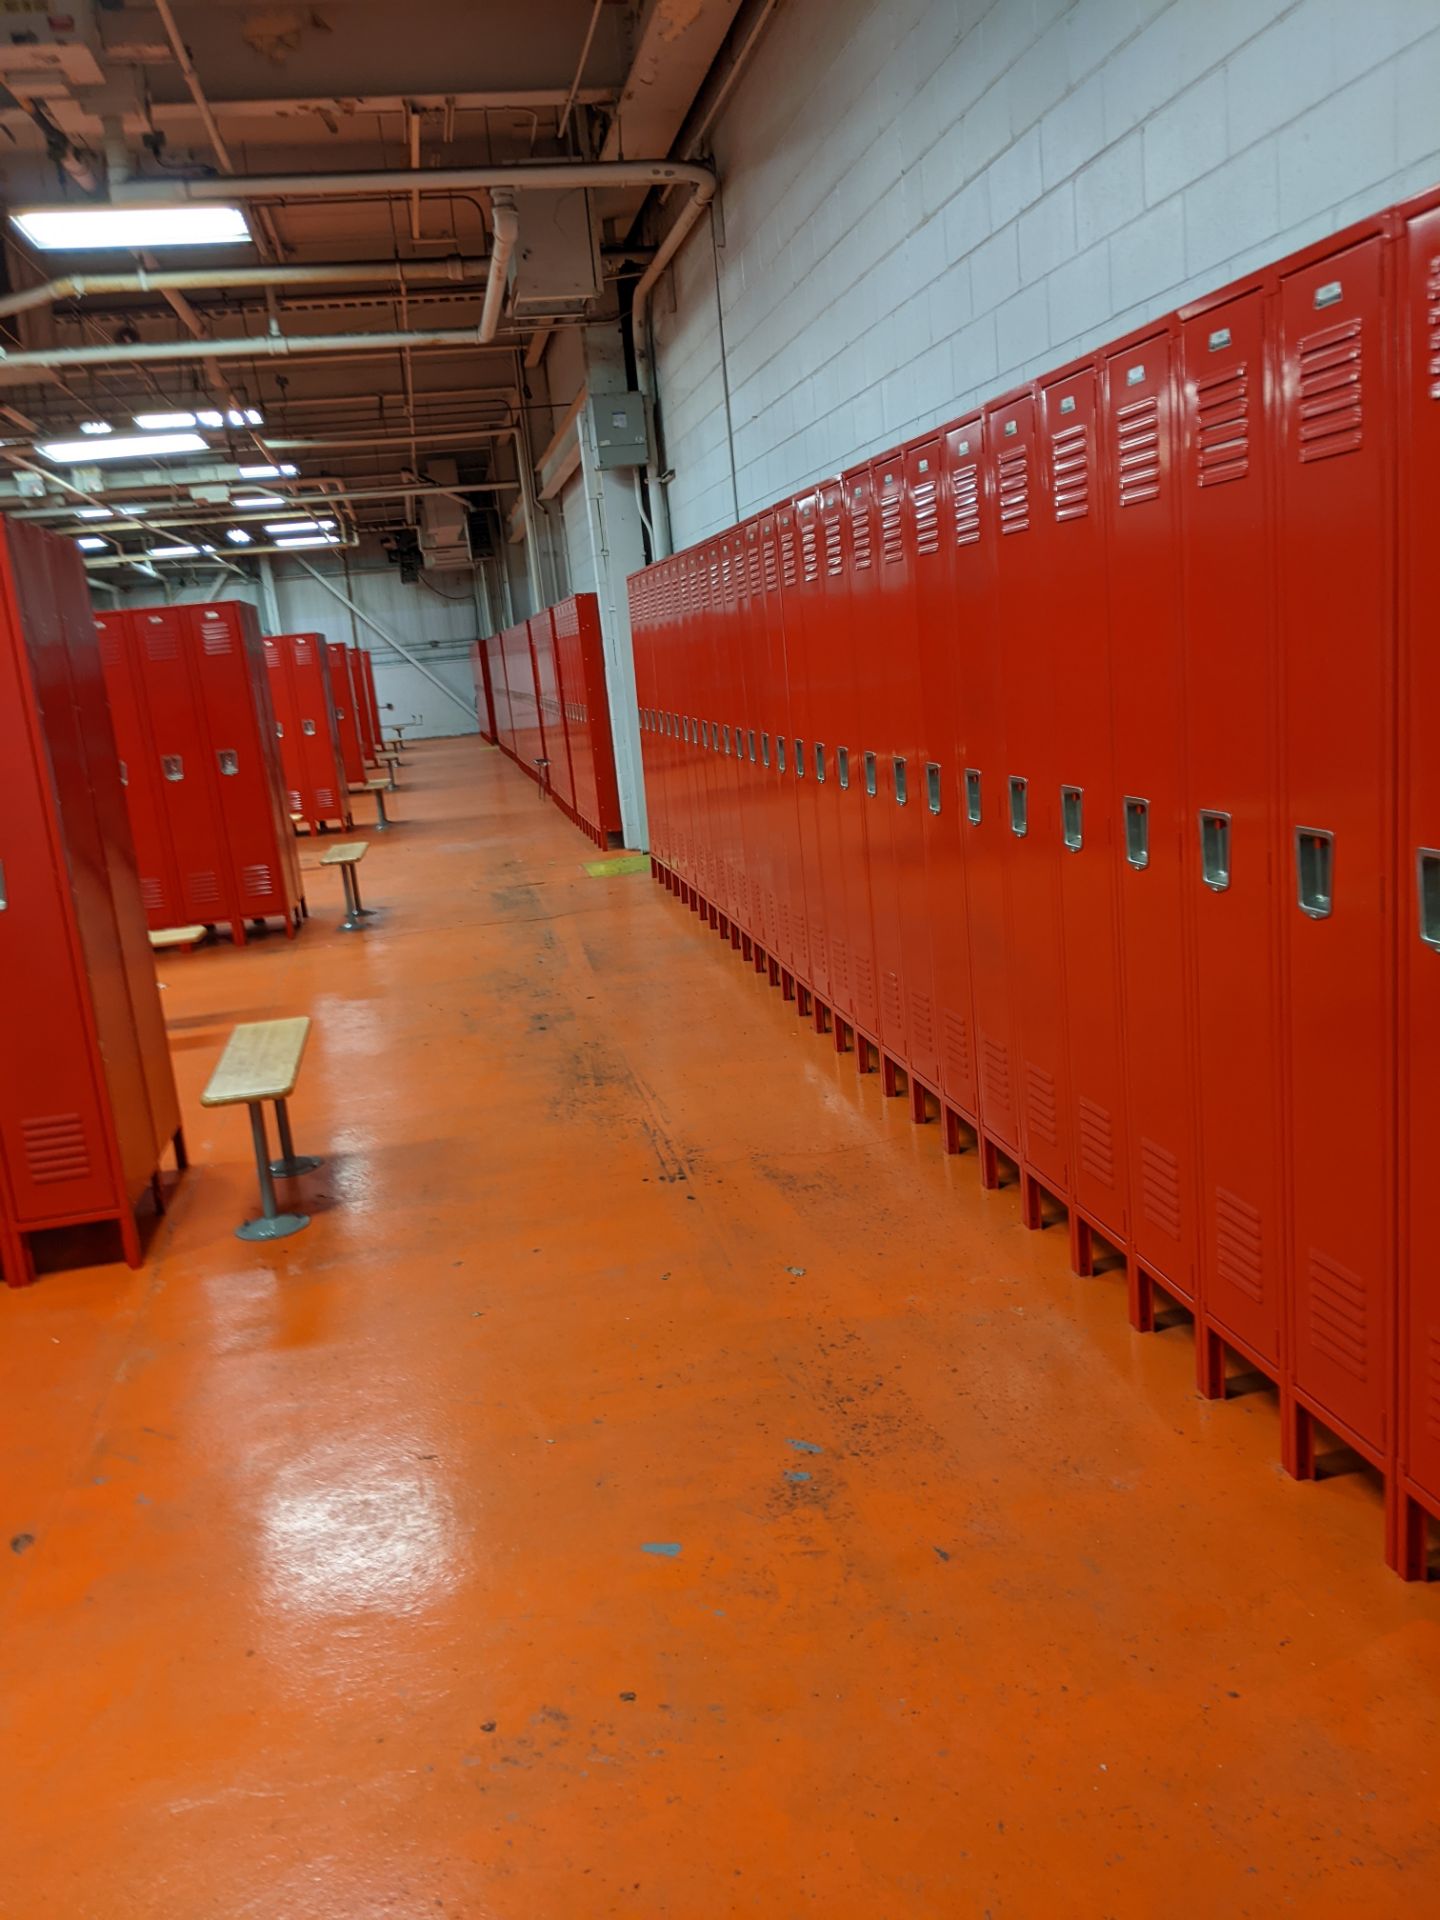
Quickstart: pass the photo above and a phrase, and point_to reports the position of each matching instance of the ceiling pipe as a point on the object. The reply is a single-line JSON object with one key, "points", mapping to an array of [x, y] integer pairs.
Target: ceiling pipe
{"points": [[259, 346], [206, 515], [81, 286], [506, 221], [579, 70], [544, 175]]}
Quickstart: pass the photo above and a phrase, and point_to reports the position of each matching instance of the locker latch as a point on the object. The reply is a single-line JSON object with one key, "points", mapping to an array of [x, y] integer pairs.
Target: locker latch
{"points": [[1215, 849], [1314, 870], [4, 891], [1072, 817], [972, 795], [933, 787], [870, 775], [842, 767], [229, 760], [1019, 805], [1427, 879], [1137, 831], [124, 774], [819, 759], [307, 727], [902, 780], [172, 766], [780, 751]]}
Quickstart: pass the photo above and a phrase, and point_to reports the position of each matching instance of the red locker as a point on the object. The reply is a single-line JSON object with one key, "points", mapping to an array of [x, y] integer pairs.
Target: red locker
{"points": [[360, 697], [982, 759], [529, 747], [287, 725], [1154, 833], [87, 1099], [140, 775], [484, 698], [765, 664], [782, 592], [829, 664], [372, 704], [323, 786], [1335, 600], [1029, 791], [1418, 888], [750, 663], [805, 641], [1071, 549], [1231, 825], [854, 729], [552, 714], [347, 718], [876, 648], [580, 655], [937, 796]]}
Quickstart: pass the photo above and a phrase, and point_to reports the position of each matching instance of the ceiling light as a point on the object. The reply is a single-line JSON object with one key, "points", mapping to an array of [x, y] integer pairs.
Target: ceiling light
{"points": [[94, 513], [124, 446], [259, 500], [297, 523], [253, 417], [245, 417], [308, 540], [237, 536], [91, 542], [96, 426], [163, 422], [260, 473], [210, 417], [76, 229], [170, 553]]}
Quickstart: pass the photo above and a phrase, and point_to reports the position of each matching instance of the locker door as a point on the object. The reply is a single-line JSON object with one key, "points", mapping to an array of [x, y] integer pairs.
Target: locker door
{"points": [[857, 812], [180, 749], [981, 759], [315, 720], [552, 713], [751, 660], [347, 721], [920, 820], [1029, 791], [52, 1135], [1420, 853], [1230, 825], [287, 727], [787, 617], [882, 708], [237, 763], [805, 606], [139, 774], [828, 663], [1334, 558], [743, 864], [1074, 568], [360, 698], [1153, 832]]}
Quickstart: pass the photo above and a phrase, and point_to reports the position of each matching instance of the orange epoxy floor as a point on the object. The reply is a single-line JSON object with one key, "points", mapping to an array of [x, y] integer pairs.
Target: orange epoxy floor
{"points": [[338, 1605]]}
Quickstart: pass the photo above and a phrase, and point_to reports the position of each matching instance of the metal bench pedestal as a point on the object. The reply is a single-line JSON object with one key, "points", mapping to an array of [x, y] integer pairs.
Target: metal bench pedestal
{"points": [[272, 1224]]}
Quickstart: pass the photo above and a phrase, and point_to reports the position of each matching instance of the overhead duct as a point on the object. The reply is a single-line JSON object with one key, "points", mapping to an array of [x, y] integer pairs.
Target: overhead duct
{"points": [[444, 528]]}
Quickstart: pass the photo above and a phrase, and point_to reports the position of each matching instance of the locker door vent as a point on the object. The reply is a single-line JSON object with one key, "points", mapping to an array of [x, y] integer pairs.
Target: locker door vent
{"points": [[965, 503], [1097, 1141], [957, 1046], [839, 963], [772, 567], [152, 895], [757, 582], [324, 797], [1160, 1188], [1070, 454], [787, 556], [1432, 323], [1137, 452], [109, 644], [1338, 1313], [215, 638], [295, 801], [809, 551], [1015, 490], [922, 1021], [864, 983], [1330, 411], [995, 1093], [55, 1148], [890, 1001], [817, 947], [892, 534], [1040, 1109], [927, 516], [860, 536], [1222, 427], [1239, 1245], [161, 643], [257, 882], [302, 653], [203, 889], [834, 556]]}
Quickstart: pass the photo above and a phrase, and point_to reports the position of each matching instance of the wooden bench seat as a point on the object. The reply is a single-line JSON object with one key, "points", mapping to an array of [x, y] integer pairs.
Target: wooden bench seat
{"points": [[347, 855], [379, 785], [261, 1062], [167, 939]]}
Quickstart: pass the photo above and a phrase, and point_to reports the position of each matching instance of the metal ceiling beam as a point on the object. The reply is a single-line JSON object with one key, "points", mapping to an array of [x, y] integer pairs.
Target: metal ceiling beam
{"points": [[84, 286]]}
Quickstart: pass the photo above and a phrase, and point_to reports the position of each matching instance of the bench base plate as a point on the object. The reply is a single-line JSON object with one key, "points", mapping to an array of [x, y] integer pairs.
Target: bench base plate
{"points": [[278, 1228]]}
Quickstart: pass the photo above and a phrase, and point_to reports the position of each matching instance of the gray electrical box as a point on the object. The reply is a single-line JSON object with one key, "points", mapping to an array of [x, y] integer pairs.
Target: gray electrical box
{"points": [[618, 421]]}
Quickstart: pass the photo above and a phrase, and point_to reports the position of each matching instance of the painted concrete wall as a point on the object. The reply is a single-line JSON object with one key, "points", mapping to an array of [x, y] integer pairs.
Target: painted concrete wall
{"points": [[927, 200]]}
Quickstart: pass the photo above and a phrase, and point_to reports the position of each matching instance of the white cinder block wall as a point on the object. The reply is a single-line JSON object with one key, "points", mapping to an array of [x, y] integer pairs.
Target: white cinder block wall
{"points": [[927, 200]]}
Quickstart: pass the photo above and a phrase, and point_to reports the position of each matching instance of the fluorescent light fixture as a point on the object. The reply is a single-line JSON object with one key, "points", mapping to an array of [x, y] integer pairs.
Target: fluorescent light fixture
{"points": [[171, 553], [77, 229], [210, 417], [237, 536], [262, 473], [298, 523], [91, 542], [123, 446], [245, 417], [308, 540], [96, 426], [94, 513], [163, 422], [259, 500]]}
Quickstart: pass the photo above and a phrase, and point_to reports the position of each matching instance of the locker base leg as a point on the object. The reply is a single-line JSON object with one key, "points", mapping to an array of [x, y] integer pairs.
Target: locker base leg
{"points": [[804, 1000], [1140, 1289], [1030, 1202], [773, 967], [867, 1057], [787, 985], [735, 935], [747, 947], [1297, 1438], [15, 1260], [1407, 1532], [890, 1076], [182, 1152], [157, 1193], [760, 957], [844, 1036], [821, 1014], [1082, 1247], [952, 1130], [724, 927], [130, 1240], [989, 1164], [1209, 1360], [919, 1111]]}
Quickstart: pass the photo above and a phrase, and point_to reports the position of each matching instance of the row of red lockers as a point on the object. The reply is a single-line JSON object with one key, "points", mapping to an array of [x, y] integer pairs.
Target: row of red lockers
{"points": [[222, 736], [1077, 755], [540, 691]]}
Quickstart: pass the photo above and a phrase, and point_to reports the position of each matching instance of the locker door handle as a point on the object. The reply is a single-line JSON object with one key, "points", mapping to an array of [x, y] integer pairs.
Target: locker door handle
{"points": [[1072, 817], [1137, 831], [124, 774], [1427, 883], [819, 759], [1019, 806], [933, 785], [972, 795], [1314, 871], [902, 785], [870, 775], [307, 727], [4, 890], [172, 765], [229, 760], [1215, 849], [842, 767]]}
